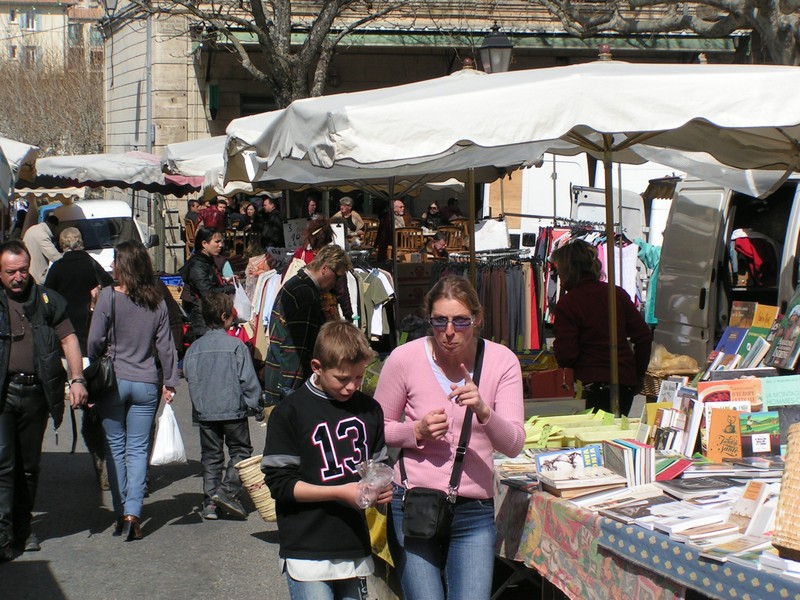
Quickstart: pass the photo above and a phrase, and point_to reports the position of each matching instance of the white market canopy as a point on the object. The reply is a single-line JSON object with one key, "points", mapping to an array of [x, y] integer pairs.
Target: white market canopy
{"points": [[128, 170]]}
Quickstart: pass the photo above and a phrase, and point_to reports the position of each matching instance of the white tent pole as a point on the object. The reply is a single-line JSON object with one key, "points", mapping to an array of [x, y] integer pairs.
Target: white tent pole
{"points": [[611, 278]]}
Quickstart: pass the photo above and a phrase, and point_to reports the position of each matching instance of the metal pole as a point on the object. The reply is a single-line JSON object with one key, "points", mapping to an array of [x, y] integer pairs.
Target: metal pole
{"points": [[395, 269], [473, 272], [610, 272], [619, 221], [554, 177]]}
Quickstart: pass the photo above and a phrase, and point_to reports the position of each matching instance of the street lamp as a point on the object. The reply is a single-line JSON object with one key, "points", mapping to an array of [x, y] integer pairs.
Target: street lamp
{"points": [[496, 51]]}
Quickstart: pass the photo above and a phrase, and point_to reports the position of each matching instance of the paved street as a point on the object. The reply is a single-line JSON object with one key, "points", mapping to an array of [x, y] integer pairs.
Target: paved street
{"points": [[181, 556]]}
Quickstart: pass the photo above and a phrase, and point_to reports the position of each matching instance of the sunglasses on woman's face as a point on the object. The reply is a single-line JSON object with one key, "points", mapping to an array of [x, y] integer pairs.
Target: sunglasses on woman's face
{"points": [[433, 208], [459, 323]]}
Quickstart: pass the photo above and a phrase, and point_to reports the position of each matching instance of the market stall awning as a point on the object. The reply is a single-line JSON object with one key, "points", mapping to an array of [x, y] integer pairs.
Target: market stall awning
{"points": [[129, 170]]}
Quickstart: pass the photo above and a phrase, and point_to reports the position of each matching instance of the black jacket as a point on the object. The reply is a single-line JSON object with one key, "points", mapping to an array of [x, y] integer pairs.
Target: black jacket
{"points": [[272, 230], [44, 309], [201, 276]]}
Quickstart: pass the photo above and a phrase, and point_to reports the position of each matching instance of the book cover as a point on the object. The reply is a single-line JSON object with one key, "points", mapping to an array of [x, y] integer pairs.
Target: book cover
{"points": [[761, 371], [628, 512], [568, 462], [785, 346], [619, 458], [764, 316], [731, 339], [760, 432], [728, 362], [753, 494], [692, 408], [698, 486], [724, 437], [742, 313], [593, 477], [667, 390], [742, 544], [756, 349], [670, 468], [732, 390], [577, 492], [781, 391]]}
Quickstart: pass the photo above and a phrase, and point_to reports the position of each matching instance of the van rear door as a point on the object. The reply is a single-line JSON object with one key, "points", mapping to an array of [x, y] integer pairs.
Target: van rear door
{"points": [[686, 291]]}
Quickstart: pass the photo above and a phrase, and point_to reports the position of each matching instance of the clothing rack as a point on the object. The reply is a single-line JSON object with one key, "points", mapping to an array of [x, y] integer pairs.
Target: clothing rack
{"points": [[491, 255]]}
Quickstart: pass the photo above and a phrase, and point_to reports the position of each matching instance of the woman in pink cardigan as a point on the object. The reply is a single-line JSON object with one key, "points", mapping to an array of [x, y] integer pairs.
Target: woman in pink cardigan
{"points": [[429, 380]]}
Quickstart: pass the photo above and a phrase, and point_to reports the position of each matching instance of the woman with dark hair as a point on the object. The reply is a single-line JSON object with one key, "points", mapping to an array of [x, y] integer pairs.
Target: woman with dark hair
{"points": [[312, 212], [319, 234], [201, 275], [580, 328], [429, 381], [132, 320], [433, 219]]}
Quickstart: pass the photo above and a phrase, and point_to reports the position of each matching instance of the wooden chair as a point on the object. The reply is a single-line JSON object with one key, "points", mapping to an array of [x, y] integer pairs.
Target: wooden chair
{"points": [[461, 223], [455, 237], [188, 229], [368, 240], [409, 240], [370, 222]]}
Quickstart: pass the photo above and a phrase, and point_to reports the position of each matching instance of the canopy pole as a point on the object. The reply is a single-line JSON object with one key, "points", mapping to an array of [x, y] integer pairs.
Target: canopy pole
{"points": [[473, 272], [395, 269], [611, 275]]}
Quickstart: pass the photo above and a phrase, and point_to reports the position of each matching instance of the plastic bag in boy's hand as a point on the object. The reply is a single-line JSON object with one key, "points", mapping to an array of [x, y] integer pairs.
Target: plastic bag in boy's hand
{"points": [[375, 476], [168, 447]]}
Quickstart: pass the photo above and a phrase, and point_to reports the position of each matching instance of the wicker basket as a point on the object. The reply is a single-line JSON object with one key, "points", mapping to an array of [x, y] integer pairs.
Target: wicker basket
{"points": [[653, 379], [253, 481], [786, 538]]}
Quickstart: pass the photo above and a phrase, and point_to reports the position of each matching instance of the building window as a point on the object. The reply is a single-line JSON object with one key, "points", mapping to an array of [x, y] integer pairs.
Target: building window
{"points": [[95, 37], [30, 58], [75, 34], [27, 20], [12, 53], [253, 105], [12, 15]]}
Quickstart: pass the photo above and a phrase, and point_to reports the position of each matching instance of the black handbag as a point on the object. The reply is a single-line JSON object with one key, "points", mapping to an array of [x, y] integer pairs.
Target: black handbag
{"points": [[428, 513], [99, 375]]}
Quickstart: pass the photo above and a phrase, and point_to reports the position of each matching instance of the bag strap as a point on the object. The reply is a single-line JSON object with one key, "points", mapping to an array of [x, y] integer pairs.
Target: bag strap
{"points": [[463, 441], [112, 342]]}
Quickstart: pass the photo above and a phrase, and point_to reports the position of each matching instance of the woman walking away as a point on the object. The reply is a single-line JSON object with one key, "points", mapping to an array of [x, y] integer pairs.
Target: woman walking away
{"points": [[132, 320], [580, 327], [438, 382]]}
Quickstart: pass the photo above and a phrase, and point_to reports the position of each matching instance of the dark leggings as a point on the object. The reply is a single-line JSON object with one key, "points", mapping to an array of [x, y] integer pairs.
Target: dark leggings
{"points": [[598, 397]]}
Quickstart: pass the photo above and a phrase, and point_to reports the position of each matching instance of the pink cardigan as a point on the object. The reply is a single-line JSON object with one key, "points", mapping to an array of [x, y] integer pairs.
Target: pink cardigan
{"points": [[408, 384]]}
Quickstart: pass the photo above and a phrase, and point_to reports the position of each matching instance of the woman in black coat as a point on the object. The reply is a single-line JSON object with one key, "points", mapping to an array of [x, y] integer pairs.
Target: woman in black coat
{"points": [[201, 275]]}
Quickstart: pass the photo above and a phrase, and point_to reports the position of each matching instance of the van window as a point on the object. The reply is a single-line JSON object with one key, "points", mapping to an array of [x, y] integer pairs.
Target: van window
{"points": [[102, 233]]}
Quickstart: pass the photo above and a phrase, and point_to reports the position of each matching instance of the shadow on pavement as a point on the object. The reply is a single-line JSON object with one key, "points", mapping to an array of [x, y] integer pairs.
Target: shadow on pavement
{"points": [[270, 537], [19, 575], [163, 476], [181, 509]]}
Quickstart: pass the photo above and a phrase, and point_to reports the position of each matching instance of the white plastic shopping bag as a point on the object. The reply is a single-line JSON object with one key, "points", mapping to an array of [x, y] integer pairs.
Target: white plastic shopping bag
{"points": [[168, 448], [242, 304]]}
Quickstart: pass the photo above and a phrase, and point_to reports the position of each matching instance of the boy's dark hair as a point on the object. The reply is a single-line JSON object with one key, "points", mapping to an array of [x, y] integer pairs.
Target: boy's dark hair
{"points": [[339, 342], [51, 219], [213, 306]]}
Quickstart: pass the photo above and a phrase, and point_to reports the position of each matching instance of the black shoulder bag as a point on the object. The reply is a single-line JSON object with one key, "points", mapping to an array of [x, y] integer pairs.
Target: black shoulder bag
{"points": [[428, 513], [99, 375]]}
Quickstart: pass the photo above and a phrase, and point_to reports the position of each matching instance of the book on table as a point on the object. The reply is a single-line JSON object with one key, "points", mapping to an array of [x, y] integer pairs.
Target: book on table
{"points": [[698, 486], [567, 462], [724, 438], [771, 558], [590, 477], [635, 509], [742, 313], [760, 432], [717, 529], [785, 346], [738, 546], [578, 492], [690, 519], [731, 339]]}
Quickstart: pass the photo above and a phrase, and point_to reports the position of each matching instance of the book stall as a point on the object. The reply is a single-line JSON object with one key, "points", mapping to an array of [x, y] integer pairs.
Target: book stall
{"points": [[701, 493]]}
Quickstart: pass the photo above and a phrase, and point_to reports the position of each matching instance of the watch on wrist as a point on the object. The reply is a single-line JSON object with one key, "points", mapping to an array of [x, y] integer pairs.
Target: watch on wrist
{"points": [[80, 380]]}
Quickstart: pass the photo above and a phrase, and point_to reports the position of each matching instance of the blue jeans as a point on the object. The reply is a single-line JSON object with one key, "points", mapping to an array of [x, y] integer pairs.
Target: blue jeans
{"points": [[340, 589], [463, 567], [128, 415]]}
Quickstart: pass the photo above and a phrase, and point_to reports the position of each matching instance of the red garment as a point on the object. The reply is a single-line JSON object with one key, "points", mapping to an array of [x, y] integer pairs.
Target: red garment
{"points": [[761, 260], [581, 334], [213, 219]]}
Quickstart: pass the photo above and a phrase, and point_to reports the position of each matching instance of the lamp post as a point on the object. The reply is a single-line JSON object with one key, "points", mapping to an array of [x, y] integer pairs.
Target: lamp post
{"points": [[496, 51]]}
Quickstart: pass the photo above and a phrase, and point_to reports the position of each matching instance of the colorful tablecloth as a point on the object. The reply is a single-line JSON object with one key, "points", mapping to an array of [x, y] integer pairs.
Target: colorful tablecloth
{"points": [[560, 541], [680, 562]]}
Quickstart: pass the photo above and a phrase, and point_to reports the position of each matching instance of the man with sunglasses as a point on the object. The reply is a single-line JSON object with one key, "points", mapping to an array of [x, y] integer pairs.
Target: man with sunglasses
{"points": [[34, 332], [433, 219], [296, 320]]}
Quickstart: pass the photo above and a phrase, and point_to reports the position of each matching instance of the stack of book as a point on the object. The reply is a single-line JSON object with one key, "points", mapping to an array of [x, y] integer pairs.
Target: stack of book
{"points": [[574, 472], [630, 459]]}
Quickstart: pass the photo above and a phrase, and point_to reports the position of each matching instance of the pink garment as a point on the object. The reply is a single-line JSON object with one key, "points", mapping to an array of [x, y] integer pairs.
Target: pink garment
{"points": [[408, 384]]}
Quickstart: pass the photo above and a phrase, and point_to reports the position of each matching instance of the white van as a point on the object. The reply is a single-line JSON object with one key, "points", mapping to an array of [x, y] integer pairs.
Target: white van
{"points": [[103, 224], [698, 281]]}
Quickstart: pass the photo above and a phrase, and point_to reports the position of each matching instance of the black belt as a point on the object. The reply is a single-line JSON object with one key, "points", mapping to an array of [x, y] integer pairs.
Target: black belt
{"points": [[24, 379]]}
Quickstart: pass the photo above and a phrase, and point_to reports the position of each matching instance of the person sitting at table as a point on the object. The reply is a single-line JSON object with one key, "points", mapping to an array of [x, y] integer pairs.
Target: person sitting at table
{"points": [[353, 223], [433, 219], [435, 247], [451, 211], [425, 389], [385, 231]]}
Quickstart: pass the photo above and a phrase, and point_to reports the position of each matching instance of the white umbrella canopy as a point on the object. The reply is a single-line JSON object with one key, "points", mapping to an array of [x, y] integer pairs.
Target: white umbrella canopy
{"points": [[21, 157], [129, 170], [745, 116]]}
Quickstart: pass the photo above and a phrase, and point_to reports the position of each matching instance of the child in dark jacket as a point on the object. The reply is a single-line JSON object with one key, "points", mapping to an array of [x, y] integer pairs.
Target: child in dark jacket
{"points": [[222, 386]]}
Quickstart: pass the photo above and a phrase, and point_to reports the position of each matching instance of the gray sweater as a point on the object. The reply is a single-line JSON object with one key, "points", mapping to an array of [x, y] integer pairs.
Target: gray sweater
{"points": [[138, 331], [222, 380]]}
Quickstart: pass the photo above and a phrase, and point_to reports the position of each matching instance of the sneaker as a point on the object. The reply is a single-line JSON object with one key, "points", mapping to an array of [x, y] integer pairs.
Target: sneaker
{"points": [[210, 511], [6, 552], [229, 504], [32, 544]]}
